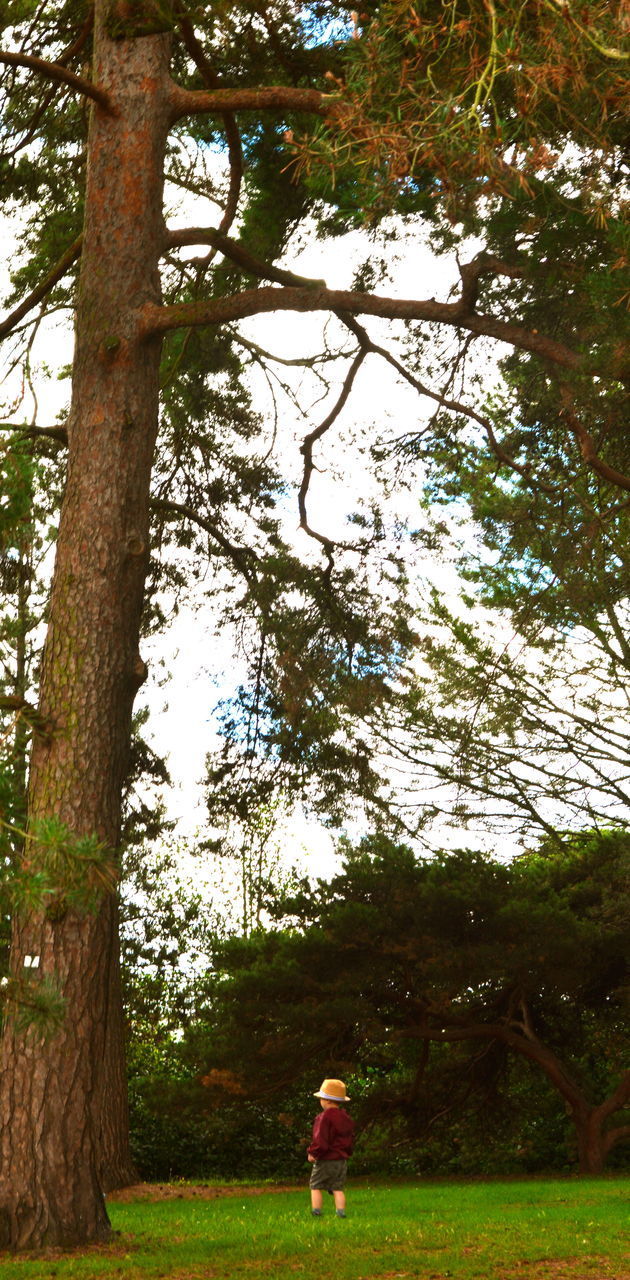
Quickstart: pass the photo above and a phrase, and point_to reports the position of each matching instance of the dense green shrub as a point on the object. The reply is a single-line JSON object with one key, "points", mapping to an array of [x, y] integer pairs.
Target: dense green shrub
{"points": [[182, 1129]]}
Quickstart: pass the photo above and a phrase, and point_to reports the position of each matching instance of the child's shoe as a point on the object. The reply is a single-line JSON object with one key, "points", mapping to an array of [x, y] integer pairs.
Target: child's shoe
{"points": [[341, 1213], [316, 1213]]}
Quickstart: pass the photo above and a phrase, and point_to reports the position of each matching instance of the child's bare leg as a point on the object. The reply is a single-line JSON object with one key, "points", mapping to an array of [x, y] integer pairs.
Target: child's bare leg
{"points": [[317, 1200], [340, 1200]]}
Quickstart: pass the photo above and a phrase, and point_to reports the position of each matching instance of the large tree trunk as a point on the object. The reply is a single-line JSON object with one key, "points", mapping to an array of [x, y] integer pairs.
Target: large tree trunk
{"points": [[53, 1091], [590, 1141]]}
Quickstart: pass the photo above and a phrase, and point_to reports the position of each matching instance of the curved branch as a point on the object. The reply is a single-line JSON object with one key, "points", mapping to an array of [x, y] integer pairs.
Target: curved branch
{"points": [[56, 274], [483, 264], [237, 253], [299, 362], [533, 1050], [240, 556], [590, 454], [617, 1099], [55, 71], [614, 1136], [454, 406], [479, 266], [306, 449]]}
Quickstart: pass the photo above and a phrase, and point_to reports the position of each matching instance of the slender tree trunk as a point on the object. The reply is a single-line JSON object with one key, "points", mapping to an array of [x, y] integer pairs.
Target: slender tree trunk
{"points": [[116, 1167], [20, 752], [53, 1092]]}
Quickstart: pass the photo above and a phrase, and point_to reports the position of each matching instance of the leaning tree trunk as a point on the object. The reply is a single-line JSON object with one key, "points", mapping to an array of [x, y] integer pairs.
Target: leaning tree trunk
{"points": [[52, 1091]]}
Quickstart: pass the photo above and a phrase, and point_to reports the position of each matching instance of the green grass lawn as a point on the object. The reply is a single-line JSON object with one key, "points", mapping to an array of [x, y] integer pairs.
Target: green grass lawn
{"points": [[525, 1230]]}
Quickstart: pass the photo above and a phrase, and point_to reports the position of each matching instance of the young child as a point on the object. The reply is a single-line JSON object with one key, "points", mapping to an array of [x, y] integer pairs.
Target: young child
{"points": [[331, 1144]]}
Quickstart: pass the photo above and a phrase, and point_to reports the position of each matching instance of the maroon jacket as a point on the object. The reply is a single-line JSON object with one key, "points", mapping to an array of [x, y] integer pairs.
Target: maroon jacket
{"points": [[333, 1135]]}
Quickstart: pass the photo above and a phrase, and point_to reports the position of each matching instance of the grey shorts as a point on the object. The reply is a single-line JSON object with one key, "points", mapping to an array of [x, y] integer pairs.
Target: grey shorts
{"points": [[328, 1175]]}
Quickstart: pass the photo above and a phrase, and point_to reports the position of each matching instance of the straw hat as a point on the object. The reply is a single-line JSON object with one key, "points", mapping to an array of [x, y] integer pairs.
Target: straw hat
{"points": [[333, 1091]]}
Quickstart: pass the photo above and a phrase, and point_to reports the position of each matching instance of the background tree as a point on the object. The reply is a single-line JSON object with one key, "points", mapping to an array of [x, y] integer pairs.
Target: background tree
{"points": [[510, 717], [533, 655], [397, 953], [101, 107], [24, 544]]}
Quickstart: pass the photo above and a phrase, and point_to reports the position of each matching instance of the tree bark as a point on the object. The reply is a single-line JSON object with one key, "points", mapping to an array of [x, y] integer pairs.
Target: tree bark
{"points": [[591, 1143], [53, 1102]]}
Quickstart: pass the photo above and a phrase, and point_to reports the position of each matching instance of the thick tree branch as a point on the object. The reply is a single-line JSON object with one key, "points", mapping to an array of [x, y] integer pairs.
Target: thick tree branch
{"points": [[614, 1136], [618, 1099], [32, 715], [237, 253], [589, 452], [178, 237], [36, 433], [533, 1050], [483, 264], [55, 71], [253, 302], [469, 272], [56, 274], [189, 102]]}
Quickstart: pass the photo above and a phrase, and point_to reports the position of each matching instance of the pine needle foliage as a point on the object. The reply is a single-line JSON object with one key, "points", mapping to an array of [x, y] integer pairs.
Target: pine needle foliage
{"points": [[465, 99]]}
